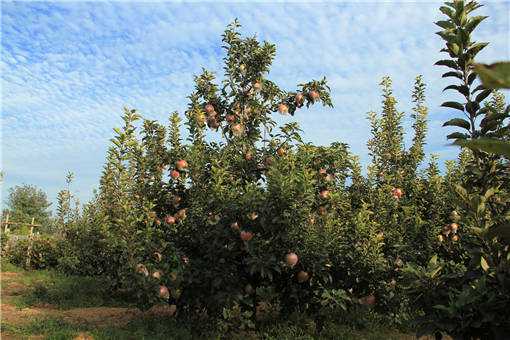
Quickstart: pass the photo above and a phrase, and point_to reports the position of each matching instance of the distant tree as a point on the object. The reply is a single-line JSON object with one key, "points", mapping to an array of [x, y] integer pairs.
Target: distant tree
{"points": [[26, 202]]}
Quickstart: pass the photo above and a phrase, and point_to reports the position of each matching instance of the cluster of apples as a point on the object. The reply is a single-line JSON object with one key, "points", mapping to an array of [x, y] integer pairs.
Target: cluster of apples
{"points": [[180, 166], [292, 259], [245, 235], [299, 99], [141, 269], [449, 231]]}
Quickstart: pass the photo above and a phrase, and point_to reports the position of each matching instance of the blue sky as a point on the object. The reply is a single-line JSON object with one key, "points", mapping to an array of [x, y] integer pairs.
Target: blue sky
{"points": [[68, 68]]}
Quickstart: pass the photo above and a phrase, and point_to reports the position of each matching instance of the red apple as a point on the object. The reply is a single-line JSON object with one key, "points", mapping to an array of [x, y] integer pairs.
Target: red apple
{"points": [[157, 275], [299, 99], [141, 269], [396, 193], [324, 194], [314, 95], [302, 276], [455, 238], [230, 118], [209, 108], [291, 259], [157, 221], [170, 219], [181, 164], [280, 152], [164, 293], [234, 226], [180, 214], [174, 174], [246, 235], [158, 256], [237, 129], [283, 109], [454, 227], [212, 123], [248, 156], [368, 300]]}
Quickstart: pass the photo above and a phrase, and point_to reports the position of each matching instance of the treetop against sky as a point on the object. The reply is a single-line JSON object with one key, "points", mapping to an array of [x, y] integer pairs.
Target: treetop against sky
{"points": [[69, 68]]}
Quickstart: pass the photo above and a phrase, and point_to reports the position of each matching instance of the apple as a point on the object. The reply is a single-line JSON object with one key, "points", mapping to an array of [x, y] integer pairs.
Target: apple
{"points": [[157, 275], [322, 210], [454, 216], [454, 227], [299, 98], [329, 177], [446, 230], [280, 152], [212, 123], [268, 161], [175, 174], [246, 235], [455, 238], [283, 109], [230, 118], [367, 300], [291, 259], [257, 85], [209, 108], [237, 129], [173, 276], [157, 221], [396, 193], [180, 214], [314, 95], [234, 226], [440, 238], [164, 293], [158, 256], [248, 156], [181, 164], [141, 269], [302, 276], [185, 259], [253, 215], [324, 194], [323, 172], [170, 219]]}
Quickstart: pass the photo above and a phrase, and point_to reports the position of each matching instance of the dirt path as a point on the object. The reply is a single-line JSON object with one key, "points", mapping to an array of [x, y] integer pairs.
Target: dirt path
{"points": [[12, 286]]}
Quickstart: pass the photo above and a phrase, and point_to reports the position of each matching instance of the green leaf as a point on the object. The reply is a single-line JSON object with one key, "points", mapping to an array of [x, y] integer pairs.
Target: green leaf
{"points": [[445, 24], [448, 63], [457, 135], [484, 264], [454, 105], [458, 122], [484, 94], [473, 22], [463, 89], [452, 74], [473, 50], [502, 231], [494, 76], [490, 145]]}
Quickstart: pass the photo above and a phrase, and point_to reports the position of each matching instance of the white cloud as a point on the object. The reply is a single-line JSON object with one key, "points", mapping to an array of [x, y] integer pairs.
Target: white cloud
{"points": [[69, 68]]}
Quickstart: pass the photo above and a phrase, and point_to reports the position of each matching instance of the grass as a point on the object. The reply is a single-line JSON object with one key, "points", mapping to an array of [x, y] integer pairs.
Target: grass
{"points": [[159, 329], [45, 287]]}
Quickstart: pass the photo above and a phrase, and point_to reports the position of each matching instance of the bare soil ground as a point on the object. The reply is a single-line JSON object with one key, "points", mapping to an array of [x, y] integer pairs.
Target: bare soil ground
{"points": [[11, 286]]}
